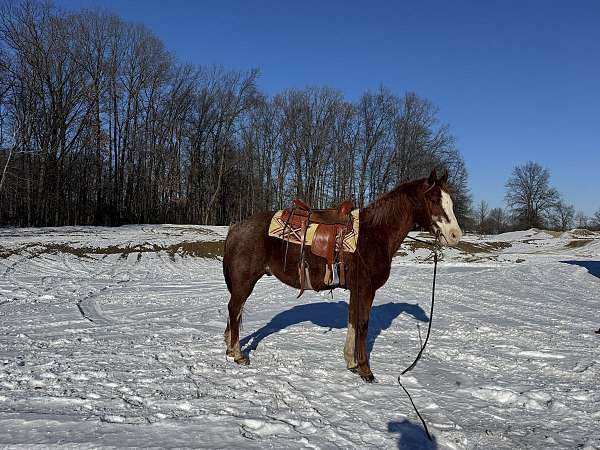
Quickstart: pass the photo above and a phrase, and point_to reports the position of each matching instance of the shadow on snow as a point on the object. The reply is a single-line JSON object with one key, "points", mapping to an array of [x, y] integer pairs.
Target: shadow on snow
{"points": [[593, 267], [412, 436], [333, 315]]}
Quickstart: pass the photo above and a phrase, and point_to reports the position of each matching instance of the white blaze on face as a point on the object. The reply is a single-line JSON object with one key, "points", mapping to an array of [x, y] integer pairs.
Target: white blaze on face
{"points": [[449, 230]]}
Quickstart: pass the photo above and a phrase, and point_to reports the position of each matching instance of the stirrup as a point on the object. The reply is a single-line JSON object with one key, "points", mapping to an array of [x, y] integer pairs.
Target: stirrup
{"points": [[304, 276]]}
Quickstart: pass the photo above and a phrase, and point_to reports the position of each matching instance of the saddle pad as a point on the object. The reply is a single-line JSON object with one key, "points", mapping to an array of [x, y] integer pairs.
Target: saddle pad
{"points": [[280, 230]]}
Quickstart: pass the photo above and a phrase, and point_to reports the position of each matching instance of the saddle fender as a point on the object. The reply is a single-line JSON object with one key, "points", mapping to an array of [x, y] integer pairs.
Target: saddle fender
{"points": [[323, 245]]}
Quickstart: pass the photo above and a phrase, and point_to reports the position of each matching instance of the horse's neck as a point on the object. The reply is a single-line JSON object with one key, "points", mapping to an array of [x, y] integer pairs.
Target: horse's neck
{"points": [[398, 231], [393, 218], [400, 234]]}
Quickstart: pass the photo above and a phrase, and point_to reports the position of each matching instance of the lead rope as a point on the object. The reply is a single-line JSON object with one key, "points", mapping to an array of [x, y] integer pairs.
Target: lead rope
{"points": [[434, 248]]}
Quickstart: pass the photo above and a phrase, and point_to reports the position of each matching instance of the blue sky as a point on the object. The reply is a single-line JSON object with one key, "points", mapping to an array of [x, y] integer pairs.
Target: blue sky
{"points": [[515, 80]]}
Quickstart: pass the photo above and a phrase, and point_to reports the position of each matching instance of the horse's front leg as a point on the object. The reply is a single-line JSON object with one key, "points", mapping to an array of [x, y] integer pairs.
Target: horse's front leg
{"points": [[359, 315], [350, 346]]}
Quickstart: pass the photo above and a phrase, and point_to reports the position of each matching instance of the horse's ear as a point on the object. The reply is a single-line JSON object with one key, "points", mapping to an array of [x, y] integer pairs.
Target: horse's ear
{"points": [[444, 178], [432, 178]]}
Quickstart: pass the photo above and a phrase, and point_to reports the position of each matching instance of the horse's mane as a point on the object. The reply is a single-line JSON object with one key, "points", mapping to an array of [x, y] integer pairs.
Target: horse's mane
{"points": [[393, 204]]}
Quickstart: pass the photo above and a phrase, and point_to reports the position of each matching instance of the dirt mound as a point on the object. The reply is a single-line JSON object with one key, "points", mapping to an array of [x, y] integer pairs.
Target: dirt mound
{"points": [[577, 243], [470, 248], [548, 232], [201, 249], [582, 232]]}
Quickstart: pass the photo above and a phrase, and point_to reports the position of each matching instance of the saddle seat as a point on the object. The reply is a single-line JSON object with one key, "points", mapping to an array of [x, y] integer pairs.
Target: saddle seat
{"points": [[329, 216]]}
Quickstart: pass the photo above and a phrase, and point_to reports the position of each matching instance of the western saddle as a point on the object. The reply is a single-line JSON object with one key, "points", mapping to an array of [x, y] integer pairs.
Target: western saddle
{"points": [[333, 224]]}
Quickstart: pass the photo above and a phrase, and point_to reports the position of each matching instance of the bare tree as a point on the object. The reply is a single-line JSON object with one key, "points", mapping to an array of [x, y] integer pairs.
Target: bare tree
{"points": [[529, 195], [4, 171], [482, 212], [561, 215], [497, 220], [596, 220], [376, 113], [581, 220]]}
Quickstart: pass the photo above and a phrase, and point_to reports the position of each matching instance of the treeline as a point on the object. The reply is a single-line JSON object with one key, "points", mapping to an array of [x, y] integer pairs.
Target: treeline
{"points": [[99, 124], [531, 202]]}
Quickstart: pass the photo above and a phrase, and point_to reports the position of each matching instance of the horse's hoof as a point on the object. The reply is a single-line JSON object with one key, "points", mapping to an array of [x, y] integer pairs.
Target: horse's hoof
{"points": [[353, 369], [243, 361], [368, 378]]}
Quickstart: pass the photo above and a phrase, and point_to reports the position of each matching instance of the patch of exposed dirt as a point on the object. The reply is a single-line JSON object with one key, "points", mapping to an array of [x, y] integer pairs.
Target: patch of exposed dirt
{"points": [[201, 249], [464, 246], [577, 243], [552, 233], [201, 231], [483, 247], [414, 245], [477, 259], [582, 232], [8, 252], [5, 253]]}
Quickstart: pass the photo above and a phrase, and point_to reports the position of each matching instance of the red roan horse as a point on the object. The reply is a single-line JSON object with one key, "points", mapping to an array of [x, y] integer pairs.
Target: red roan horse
{"points": [[251, 253]]}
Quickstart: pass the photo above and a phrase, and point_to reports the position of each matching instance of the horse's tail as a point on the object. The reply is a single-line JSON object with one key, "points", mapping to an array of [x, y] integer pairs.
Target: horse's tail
{"points": [[227, 279], [225, 259]]}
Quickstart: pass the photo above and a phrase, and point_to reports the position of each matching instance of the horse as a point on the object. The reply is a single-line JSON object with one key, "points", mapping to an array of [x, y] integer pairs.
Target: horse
{"points": [[251, 253]]}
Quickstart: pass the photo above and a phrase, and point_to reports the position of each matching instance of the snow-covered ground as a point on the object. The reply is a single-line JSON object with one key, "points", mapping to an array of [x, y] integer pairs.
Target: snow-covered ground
{"points": [[114, 337]]}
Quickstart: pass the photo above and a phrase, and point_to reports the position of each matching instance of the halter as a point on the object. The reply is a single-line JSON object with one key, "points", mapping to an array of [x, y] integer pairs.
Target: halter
{"points": [[429, 188]]}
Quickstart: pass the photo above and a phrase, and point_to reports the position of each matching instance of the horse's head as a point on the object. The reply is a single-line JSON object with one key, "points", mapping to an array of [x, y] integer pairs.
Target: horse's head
{"points": [[438, 214]]}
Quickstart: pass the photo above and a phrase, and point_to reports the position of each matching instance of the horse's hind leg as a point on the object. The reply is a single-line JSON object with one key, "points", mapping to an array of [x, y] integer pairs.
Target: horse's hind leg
{"points": [[232, 332], [363, 308], [241, 288], [244, 263]]}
